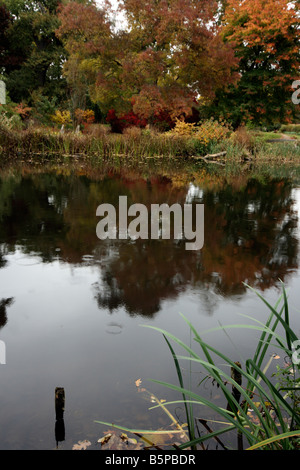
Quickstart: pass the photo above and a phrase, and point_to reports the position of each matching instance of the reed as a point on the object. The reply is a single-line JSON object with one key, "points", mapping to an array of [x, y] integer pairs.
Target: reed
{"points": [[276, 424], [262, 413], [140, 144]]}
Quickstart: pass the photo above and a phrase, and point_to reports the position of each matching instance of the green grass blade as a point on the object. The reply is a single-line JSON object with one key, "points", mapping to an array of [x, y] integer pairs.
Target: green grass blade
{"points": [[286, 316], [207, 355], [266, 442], [216, 374], [277, 397], [137, 431], [188, 410], [252, 403], [286, 326]]}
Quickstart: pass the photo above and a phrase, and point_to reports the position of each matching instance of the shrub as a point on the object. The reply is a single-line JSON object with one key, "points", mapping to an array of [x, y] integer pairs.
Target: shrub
{"points": [[119, 123], [42, 107], [9, 118], [183, 129], [22, 110], [61, 117], [203, 135], [212, 131], [291, 128], [243, 138], [197, 146], [84, 117]]}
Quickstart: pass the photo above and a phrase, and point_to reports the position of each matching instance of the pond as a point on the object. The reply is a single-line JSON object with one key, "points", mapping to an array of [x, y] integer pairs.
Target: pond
{"points": [[73, 308]]}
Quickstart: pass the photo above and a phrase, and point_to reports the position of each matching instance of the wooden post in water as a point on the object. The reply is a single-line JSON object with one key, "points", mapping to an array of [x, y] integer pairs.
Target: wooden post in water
{"points": [[59, 412], [237, 377], [59, 402]]}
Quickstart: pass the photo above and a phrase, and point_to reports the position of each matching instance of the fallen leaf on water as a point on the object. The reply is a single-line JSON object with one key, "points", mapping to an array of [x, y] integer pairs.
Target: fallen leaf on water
{"points": [[115, 441], [127, 439], [253, 417], [105, 439], [132, 441], [81, 445]]}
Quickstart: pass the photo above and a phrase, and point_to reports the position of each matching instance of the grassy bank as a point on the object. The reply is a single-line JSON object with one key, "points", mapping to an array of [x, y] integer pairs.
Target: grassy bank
{"points": [[230, 148]]}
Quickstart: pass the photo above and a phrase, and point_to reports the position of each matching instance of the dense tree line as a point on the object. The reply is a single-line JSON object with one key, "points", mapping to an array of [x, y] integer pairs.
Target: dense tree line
{"points": [[171, 58]]}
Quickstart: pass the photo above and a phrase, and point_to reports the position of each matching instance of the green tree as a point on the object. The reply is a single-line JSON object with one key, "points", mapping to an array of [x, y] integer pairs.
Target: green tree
{"points": [[5, 20], [36, 54]]}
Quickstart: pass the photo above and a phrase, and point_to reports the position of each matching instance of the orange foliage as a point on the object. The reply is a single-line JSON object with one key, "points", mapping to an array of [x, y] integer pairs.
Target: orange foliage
{"points": [[170, 53], [84, 116], [267, 25]]}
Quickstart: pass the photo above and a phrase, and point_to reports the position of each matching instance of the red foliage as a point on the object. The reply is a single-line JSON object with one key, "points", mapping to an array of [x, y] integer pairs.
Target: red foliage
{"points": [[162, 120], [119, 123]]}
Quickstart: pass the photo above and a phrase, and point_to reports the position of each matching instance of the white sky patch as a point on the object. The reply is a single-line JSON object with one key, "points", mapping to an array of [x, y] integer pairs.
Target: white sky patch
{"points": [[119, 18]]}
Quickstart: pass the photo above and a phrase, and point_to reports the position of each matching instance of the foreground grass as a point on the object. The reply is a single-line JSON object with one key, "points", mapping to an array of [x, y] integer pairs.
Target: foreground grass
{"points": [[264, 415]]}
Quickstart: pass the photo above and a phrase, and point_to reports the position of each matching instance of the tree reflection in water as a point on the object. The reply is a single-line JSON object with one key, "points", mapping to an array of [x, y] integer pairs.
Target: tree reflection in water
{"points": [[4, 303], [250, 235]]}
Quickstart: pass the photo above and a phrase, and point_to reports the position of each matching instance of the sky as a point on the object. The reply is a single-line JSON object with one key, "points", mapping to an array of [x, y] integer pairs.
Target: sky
{"points": [[119, 19]]}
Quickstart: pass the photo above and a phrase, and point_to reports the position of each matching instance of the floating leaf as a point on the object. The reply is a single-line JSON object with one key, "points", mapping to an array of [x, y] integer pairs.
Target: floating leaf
{"points": [[81, 445], [115, 441], [105, 439]]}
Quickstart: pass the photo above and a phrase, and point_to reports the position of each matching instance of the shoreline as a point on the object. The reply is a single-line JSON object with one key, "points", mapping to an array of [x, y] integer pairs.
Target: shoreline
{"points": [[39, 143]]}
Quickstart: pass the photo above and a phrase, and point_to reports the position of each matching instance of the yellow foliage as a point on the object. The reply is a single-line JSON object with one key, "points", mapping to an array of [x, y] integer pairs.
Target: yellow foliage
{"points": [[212, 130], [61, 117], [183, 128], [206, 132]]}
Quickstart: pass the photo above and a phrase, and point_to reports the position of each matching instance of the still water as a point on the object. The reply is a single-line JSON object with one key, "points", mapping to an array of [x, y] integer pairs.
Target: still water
{"points": [[73, 308]]}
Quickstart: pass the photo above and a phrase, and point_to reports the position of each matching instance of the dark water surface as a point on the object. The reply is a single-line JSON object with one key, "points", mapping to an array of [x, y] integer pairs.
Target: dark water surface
{"points": [[72, 306]]}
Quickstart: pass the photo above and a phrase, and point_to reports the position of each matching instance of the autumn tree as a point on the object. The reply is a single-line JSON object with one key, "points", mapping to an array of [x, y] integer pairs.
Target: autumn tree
{"points": [[85, 31], [265, 35], [169, 54]]}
